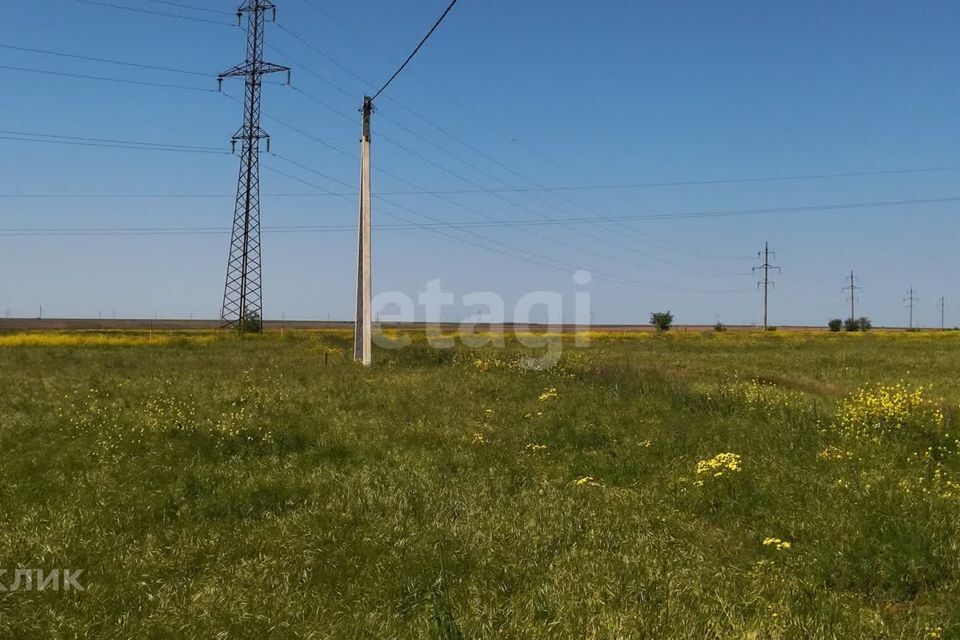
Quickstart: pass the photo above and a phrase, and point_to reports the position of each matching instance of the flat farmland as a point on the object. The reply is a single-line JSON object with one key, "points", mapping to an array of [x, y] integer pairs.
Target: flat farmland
{"points": [[686, 485]]}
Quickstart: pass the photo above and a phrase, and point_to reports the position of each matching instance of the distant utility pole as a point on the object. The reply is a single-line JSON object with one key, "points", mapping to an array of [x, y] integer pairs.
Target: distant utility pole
{"points": [[766, 283], [362, 333], [242, 297], [942, 306], [910, 299], [852, 288]]}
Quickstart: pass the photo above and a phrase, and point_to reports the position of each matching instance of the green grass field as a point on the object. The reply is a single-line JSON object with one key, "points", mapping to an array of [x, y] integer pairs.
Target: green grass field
{"points": [[213, 487]]}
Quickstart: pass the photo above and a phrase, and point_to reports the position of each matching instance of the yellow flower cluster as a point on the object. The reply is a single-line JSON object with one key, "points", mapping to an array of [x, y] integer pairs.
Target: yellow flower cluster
{"points": [[101, 339], [833, 453], [756, 393], [492, 361], [587, 481], [534, 448], [479, 439], [484, 365], [776, 543], [885, 410], [718, 466], [548, 394], [933, 633]]}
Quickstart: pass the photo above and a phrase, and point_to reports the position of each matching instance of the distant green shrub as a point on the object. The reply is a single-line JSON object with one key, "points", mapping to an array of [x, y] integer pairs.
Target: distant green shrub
{"points": [[719, 327], [835, 325], [854, 324], [662, 320]]}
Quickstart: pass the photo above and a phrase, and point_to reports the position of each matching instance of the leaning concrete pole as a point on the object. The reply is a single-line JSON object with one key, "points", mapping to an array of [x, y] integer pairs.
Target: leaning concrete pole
{"points": [[363, 329]]}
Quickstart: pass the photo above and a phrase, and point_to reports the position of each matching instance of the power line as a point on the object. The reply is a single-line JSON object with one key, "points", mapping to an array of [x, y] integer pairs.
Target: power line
{"points": [[157, 84], [519, 190], [33, 136], [489, 190], [520, 222], [557, 191], [495, 246], [409, 192], [606, 245], [488, 244], [439, 226], [419, 46], [719, 181], [604, 255], [498, 223], [145, 83], [507, 189], [361, 79], [319, 52], [105, 146], [460, 159], [151, 12], [123, 63], [192, 7], [537, 186]]}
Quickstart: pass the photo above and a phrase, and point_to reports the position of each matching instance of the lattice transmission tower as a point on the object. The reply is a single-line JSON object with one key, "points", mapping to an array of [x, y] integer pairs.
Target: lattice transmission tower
{"points": [[766, 283], [242, 296]]}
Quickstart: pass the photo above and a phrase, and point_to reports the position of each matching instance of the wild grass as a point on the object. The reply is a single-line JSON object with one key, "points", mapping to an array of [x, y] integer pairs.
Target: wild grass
{"points": [[678, 486]]}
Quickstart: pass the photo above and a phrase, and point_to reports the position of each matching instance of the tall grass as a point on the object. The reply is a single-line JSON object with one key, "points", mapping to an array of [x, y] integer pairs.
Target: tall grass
{"points": [[264, 486]]}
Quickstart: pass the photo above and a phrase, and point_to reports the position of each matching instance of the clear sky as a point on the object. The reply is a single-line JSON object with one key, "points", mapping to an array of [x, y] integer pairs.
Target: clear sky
{"points": [[506, 95]]}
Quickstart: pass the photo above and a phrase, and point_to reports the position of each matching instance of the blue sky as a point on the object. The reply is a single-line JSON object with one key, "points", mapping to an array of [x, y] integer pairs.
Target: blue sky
{"points": [[506, 95]]}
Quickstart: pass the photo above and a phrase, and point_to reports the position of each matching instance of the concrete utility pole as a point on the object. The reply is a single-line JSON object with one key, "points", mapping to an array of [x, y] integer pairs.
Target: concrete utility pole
{"points": [[910, 299], [942, 305], [766, 283], [852, 288], [363, 329]]}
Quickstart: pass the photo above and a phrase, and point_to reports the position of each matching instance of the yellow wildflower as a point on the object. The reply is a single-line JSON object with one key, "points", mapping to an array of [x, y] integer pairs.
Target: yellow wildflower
{"points": [[718, 466], [833, 453], [548, 394], [776, 543], [884, 410], [587, 481]]}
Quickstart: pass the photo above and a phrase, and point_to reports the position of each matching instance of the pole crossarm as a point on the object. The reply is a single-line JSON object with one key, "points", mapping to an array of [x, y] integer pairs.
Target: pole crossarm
{"points": [[248, 68]]}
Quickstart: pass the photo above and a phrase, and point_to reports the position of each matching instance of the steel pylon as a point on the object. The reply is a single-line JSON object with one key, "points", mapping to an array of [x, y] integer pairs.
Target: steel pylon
{"points": [[242, 296]]}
